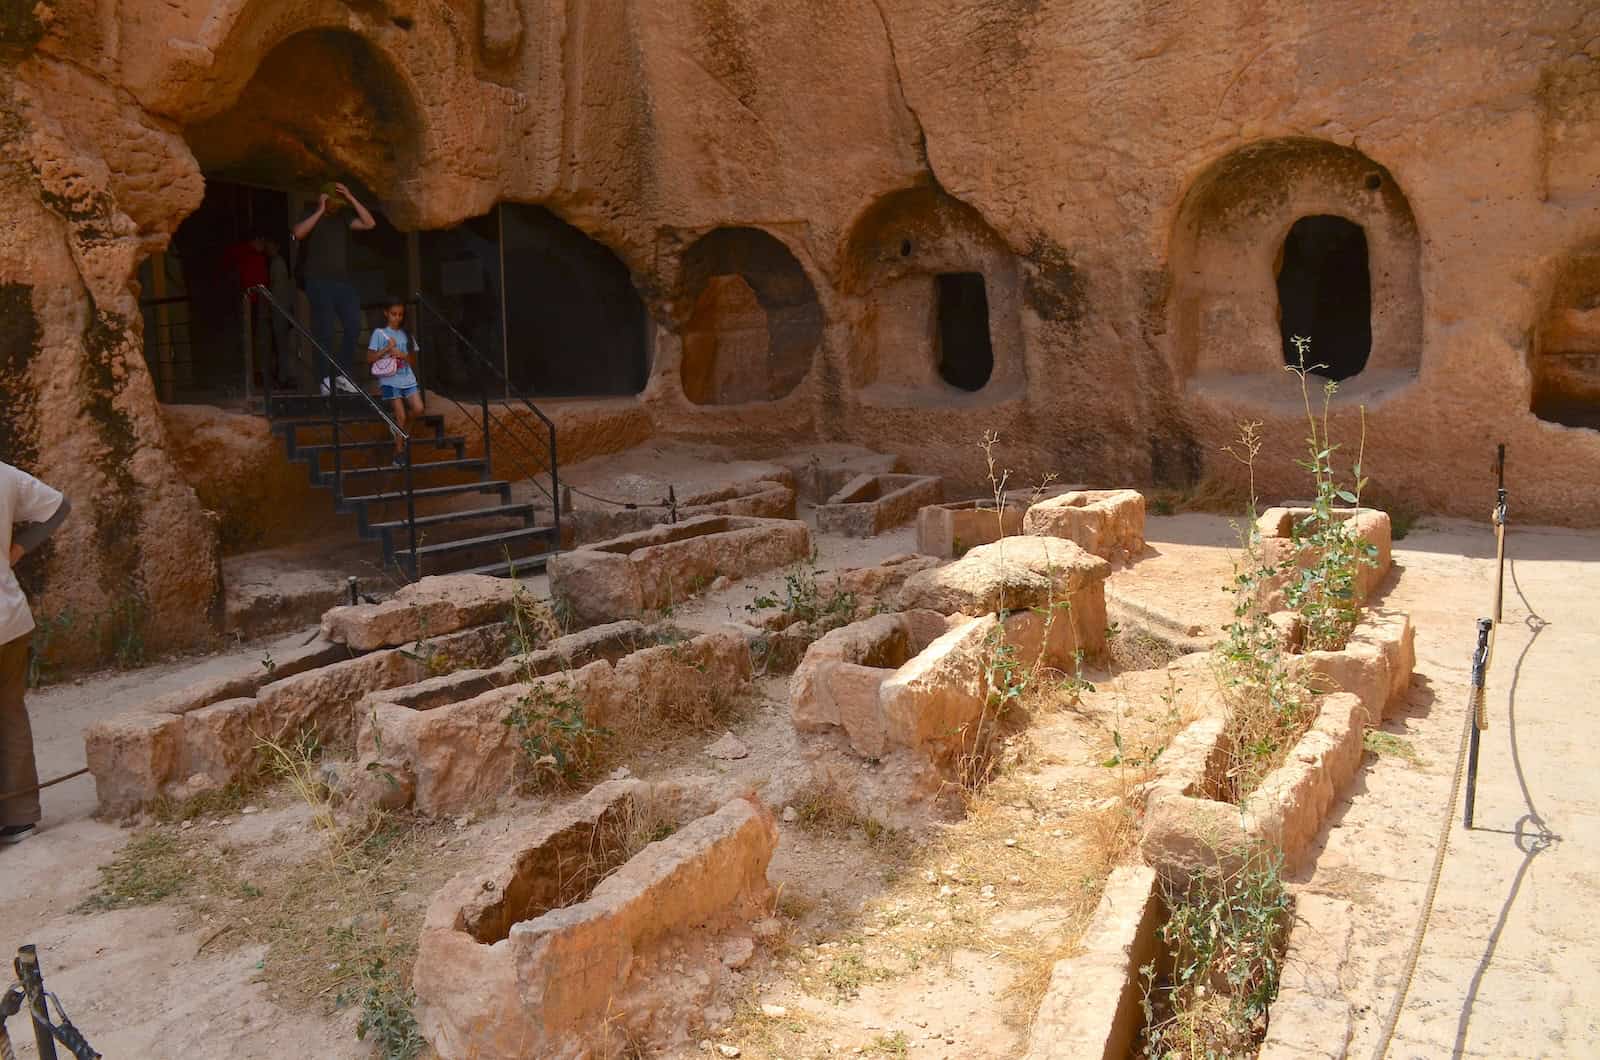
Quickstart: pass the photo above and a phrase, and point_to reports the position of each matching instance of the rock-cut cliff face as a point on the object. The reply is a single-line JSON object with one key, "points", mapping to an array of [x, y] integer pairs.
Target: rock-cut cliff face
{"points": [[1090, 227]]}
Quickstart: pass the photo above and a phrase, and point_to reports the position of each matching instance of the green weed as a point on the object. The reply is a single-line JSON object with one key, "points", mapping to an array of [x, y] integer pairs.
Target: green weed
{"points": [[556, 741], [386, 1013], [1206, 994]]}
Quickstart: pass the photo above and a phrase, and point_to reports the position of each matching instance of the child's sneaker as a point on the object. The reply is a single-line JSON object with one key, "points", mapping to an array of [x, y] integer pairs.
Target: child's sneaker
{"points": [[399, 458]]}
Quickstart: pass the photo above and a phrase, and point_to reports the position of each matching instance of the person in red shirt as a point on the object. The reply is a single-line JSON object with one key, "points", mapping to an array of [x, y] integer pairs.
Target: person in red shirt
{"points": [[247, 261]]}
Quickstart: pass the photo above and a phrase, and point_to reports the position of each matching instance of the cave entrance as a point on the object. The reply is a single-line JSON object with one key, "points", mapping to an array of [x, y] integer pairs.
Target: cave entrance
{"points": [[575, 325], [966, 355], [553, 310], [1325, 294], [320, 106], [205, 340]]}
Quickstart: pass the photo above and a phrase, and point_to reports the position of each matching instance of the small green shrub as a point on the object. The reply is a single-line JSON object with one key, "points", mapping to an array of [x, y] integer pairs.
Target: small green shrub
{"points": [[1323, 590], [802, 599], [554, 737], [1206, 995], [386, 1014]]}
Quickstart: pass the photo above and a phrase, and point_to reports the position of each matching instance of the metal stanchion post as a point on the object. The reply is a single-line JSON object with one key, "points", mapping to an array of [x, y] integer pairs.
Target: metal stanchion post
{"points": [[32, 981], [1480, 672]]}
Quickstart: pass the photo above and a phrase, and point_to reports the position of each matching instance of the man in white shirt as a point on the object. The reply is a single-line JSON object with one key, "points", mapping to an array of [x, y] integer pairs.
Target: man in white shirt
{"points": [[29, 512]]}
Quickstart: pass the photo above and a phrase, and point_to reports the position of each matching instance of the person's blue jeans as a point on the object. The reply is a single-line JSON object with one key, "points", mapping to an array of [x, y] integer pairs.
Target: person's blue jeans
{"points": [[335, 301]]}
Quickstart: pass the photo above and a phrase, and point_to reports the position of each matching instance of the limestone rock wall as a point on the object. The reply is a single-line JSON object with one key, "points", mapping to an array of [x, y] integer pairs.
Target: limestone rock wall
{"points": [[1121, 175], [89, 184]]}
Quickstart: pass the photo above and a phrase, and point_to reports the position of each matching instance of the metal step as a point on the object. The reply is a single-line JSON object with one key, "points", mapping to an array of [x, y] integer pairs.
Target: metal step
{"points": [[291, 426], [464, 544], [394, 530], [362, 505], [309, 453], [412, 561], [466, 464], [523, 567]]}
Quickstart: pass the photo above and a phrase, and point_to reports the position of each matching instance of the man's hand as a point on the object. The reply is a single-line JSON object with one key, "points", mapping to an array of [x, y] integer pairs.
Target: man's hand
{"points": [[16, 554], [322, 203], [362, 220]]}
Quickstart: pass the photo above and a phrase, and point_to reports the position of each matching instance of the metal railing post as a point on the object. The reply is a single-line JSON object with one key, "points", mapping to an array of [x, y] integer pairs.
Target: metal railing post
{"points": [[483, 411], [415, 567], [338, 451], [513, 427], [555, 486], [32, 980], [249, 347]]}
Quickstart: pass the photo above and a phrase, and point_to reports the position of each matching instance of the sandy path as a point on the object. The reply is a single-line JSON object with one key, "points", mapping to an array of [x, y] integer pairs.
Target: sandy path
{"points": [[1482, 989]]}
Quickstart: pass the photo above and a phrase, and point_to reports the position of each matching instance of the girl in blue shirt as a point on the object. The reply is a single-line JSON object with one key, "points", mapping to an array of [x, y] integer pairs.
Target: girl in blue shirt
{"points": [[400, 390]]}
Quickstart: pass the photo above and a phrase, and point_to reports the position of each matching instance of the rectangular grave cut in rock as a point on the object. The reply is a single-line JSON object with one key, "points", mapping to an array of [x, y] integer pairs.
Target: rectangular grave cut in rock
{"points": [[868, 505]]}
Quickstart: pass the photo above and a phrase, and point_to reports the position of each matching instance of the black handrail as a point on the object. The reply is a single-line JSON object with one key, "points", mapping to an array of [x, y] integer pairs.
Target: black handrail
{"points": [[333, 410], [554, 492]]}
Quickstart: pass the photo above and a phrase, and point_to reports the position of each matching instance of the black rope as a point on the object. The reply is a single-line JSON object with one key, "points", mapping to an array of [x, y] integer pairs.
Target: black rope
{"points": [[629, 505]]}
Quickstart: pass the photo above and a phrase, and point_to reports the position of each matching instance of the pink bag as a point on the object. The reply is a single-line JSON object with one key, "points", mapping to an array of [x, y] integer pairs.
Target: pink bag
{"points": [[385, 366]]}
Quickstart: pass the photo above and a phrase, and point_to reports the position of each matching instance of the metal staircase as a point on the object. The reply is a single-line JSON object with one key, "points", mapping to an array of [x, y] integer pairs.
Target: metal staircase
{"points": [[426, 514]]}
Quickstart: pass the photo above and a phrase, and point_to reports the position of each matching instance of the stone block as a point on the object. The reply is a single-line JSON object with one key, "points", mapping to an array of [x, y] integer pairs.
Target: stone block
{"points": [[1106, 523], [870, 504], [837, 683], [1275, 529], [132, 757], [1014, 573], [435, 605], [1289, 806], [1375, 665], [878, 584], [1092, 1008], [595, 585], [324, 699], [948, 530], [1182, 835], [628, 575], [507, 968], [219, 742]]}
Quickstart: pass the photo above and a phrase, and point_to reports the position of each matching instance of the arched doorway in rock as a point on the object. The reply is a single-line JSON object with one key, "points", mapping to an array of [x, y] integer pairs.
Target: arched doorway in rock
{"points": [[1565, 360], [575, 325], [1280, 238], [322, 105], [1325, 292], [941, 300], [754, 324], [966, 353]]}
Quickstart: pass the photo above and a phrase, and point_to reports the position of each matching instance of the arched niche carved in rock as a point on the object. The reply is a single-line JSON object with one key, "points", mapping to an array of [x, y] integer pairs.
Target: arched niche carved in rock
{"points": [[1296, 236], [1565, 361], [321, 105], [754, 325], [941, 319]]}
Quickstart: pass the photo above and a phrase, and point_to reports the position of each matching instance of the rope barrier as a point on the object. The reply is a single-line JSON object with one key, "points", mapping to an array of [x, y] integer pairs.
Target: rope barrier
{"points": [[1445, 829], [1477, 721], [47, 784]]}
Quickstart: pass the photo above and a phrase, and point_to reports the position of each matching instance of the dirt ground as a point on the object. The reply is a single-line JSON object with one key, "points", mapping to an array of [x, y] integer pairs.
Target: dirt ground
{"points": [[936, 944]]}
